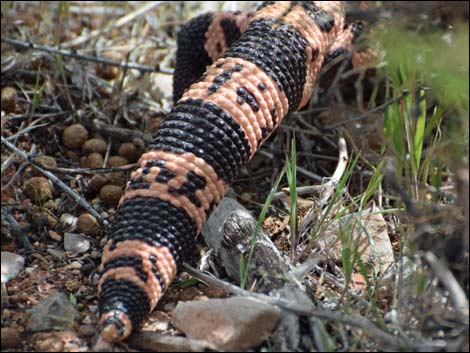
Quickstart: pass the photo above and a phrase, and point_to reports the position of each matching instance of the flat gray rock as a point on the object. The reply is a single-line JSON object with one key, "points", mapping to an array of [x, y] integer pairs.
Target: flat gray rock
{"points": [[55, 312], [232, 324], [12, 264], [76, 243]]}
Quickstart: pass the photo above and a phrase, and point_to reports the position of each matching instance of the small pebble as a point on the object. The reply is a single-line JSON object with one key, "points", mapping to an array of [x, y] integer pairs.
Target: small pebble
{"points": [[72, 155], [74, 136], [117, 178], [46, 161], [9, 97], [86, 330], [38, 189], [108, 72], [54, 235], [76, 243], [55, 311], [111, 194], [117, 161], [68, 222], [95, 255], [12, 264], [39, 220], [72, 285], [95, 145], [51, 205], [96, 182], [128, 151], [74, 266], [10, 338], [6, 314], [57, 341], [93, 160], [56, 253], [88, 225]]}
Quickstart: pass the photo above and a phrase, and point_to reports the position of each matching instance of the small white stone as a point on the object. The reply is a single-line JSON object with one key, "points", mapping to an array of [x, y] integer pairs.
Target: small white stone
{"points": [[76, 243], [12, 264]]}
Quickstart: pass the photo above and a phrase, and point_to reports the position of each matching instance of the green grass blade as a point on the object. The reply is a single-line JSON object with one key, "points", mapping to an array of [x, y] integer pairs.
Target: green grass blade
{"points": [[246, 265]]}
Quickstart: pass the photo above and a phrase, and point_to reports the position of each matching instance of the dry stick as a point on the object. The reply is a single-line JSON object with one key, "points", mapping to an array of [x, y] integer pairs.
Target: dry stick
{"points": [[76, 197], [374, 110], [301, 170], [91, 171], [118, 133], [74, 54], [349, 319], [328, 186], [144, 9], [21, 239], [446, 277]]}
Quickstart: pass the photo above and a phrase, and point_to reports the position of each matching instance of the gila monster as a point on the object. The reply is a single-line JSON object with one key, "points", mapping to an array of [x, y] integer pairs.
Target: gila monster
{"points": [[269, 69]]}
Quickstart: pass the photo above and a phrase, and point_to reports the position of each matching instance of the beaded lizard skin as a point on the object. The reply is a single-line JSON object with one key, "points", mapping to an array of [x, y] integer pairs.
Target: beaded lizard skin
{"points": [[217, 124]]}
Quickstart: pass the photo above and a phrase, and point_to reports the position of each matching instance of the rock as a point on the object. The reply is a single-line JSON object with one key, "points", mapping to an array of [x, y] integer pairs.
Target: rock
{"points": [[10, 338], [95, 145], [128, 151], [160, 321], [56, 253], [88, 225], [117, 161], [368, 231], [9, 97], [74, 136], [38, 189], [12, 264], [233, 324], [76, 243], [54, 235], [39, 220], [45, 161], [111, 194], [66, 341], [54, 313], [96, 182], [163, 85], [87, 330], [6, 314], [116, 178], [109, 72], [93, 160], [68, 222]]}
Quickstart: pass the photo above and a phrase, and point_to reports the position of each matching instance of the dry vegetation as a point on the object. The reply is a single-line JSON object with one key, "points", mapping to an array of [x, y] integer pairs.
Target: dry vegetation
{"points": [[73, 126]]}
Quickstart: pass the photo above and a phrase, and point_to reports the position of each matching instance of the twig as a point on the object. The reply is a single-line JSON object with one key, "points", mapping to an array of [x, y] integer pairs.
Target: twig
{"points": [[120, 134], [446, 277], [22, 240], [91, 171], [301, 170], [367, 114], [32, 126], [350, 319], [145, 8], [76, 197], [329, 186], [389, 172], [74, 54]]}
